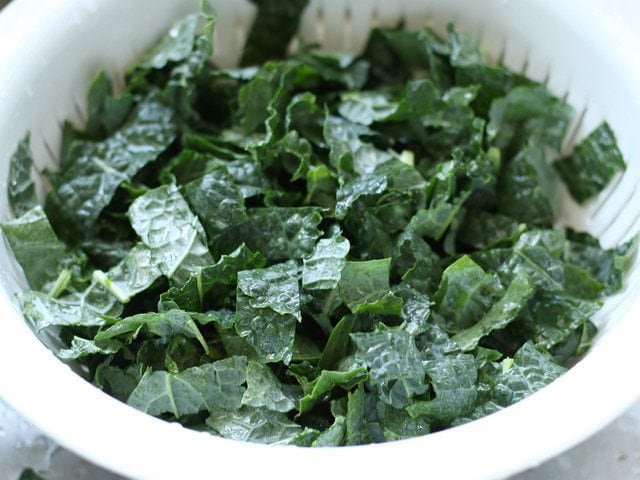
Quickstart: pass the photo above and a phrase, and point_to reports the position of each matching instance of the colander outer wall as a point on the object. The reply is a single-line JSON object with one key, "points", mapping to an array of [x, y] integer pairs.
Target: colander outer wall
{"points": [[115, 436]]}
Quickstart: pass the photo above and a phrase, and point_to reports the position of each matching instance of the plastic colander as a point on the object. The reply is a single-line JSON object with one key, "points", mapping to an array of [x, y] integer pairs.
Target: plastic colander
{"points": [[51, 50]]}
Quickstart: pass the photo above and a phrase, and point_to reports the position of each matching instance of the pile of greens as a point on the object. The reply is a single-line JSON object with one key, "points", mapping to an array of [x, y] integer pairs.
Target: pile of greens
{"points": [[322, 249]]}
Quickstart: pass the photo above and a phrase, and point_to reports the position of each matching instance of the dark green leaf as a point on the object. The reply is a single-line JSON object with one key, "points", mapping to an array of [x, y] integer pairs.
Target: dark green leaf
{"points": [[39, 252], [336, 347], [453, 378], [21, 189], [608, 267], [418, 101], [394, 363], [580, 283], [364, 283], [482, 229], [360, 410], [528, 111], [321, 187], [323, 269], [166, 325], [174, 47], [253, 425], [396, 55], [118, 382], [592, 165], [217, 201], [472, 68], [133, 275], [327, 381], [208, 387], [348, 153], [332, 436], [336, 67], [415, 311], [416, 262], [81, 347], [265, 391], [106, 112], [280, 233], [29, 474], [526, 188], [530, 255], [213, 279], [465, 293], [274, 27], [398, 424], [268, 308], [86, 308], [499, 315], [530, 370], [163, 221], [553, 317], [394, 177], [89, 183], [305, 438]]}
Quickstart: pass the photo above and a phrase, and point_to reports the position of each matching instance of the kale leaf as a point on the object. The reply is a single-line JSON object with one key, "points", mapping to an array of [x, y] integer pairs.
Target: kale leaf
{"points": [[206, 387], [42, 256], [592, 165], [21, 188], [268, 308], [87, 186]]}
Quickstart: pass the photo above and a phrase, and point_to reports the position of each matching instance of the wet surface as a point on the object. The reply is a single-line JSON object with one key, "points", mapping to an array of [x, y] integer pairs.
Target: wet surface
{"points": [[614, 453], [21, 446]]}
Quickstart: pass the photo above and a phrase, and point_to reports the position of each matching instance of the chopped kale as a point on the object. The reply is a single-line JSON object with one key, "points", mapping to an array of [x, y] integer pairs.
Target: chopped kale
{"points": [[318, 249]]}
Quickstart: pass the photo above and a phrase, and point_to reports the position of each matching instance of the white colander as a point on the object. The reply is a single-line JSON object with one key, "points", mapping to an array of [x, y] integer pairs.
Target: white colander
{"points": [[50, 51]]}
